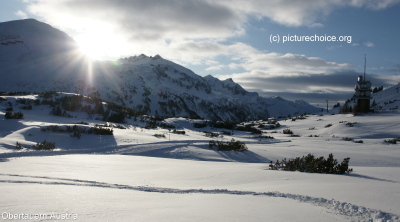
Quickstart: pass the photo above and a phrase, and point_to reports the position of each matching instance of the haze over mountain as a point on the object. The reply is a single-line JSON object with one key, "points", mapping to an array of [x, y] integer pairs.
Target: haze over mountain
{"points": [[36, 57]]}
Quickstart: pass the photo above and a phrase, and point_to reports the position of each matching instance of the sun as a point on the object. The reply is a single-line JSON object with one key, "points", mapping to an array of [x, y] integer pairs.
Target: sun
{"points": [[98, 45], [91, 46]]}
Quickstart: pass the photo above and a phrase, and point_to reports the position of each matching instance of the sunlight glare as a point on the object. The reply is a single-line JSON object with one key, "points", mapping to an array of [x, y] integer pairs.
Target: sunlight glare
{"points": [[98, 45]]}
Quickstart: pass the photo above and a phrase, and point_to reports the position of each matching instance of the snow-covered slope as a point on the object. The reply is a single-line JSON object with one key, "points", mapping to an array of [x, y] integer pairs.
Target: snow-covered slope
{"points": [[36, 57], [135, 175], [387, 100]]}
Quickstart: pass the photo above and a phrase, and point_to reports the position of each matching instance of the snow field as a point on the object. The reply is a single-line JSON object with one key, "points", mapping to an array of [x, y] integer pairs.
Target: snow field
{"points": [[146, 188], [135, 175]]}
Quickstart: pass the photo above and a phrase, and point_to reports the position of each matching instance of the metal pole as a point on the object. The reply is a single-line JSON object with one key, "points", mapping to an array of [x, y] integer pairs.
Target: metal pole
{"points": [[365, 65], [327, 105]]}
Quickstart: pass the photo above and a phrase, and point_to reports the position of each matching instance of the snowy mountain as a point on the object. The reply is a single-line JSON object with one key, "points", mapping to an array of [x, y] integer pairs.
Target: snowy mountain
{"points": [[37, 57], [387, 100], [32, 52]]}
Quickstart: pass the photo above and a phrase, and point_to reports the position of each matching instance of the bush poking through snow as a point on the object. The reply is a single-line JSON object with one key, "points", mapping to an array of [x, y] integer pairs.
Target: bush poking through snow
{"points": [[98, 130], [349, 124], [11, 115], [227, 133], [328, 125], [166, 126], [391, 141], [211, 134], [264, 137], [287, 131], [44, 146], [199, 125], [312, 164], [18, 146], [228, 146], [159, 135], [183, 132]]}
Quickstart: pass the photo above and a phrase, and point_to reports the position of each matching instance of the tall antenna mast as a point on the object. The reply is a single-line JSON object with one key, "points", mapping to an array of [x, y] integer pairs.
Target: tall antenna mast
{"points": [[365, 65]]}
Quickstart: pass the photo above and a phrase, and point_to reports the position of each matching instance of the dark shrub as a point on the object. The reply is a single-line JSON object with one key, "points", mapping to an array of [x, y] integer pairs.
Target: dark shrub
{"points": [[264, 137], [166, 126], [11, 115], [228, 146], [18, 146], [224, 125], [179, 132], [211, 134], [118, 117], [100, 131], [391, 141], [47, 94], [44, 146], [151, 124], [350, 124], [199, 125], [287, 131], [226, 133], [249, 128], [312, 164]]}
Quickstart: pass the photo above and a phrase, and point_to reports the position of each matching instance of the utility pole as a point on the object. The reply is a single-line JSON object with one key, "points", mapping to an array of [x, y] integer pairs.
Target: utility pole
{"points": [[327, 105], [365, 65]]}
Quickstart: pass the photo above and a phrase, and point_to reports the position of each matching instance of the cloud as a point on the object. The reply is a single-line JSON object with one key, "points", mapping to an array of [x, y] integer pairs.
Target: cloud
{"points": [[372, 4], [369, 44], [198, 32], [159, 26], [247, 58], [140, 19], [172, 19], [395, 69], [337, 85], [21, 14], [215, 68]]}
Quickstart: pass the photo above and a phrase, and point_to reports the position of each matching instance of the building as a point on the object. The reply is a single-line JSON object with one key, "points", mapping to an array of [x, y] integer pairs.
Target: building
{"points": [[362, 95]]}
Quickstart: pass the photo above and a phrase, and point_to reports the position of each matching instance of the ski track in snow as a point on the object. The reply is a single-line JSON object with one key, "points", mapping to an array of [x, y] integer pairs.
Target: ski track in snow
{"points": [[357, 213]]}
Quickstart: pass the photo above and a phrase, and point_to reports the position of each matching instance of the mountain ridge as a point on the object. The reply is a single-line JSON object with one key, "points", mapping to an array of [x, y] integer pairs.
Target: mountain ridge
{"points": [[147, 84]]}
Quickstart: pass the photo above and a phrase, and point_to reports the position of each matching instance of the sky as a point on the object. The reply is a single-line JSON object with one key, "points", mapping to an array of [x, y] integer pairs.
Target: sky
{"points": [[308, 50]]}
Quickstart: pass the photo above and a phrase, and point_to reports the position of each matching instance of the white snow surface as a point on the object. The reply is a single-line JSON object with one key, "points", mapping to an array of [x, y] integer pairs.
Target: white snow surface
{"points": [[387, 100], [135, 176]]}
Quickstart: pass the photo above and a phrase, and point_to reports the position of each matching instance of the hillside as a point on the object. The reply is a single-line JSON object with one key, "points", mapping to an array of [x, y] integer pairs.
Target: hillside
{"points": [[387, 100], [165, 174], [36, 57]]}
